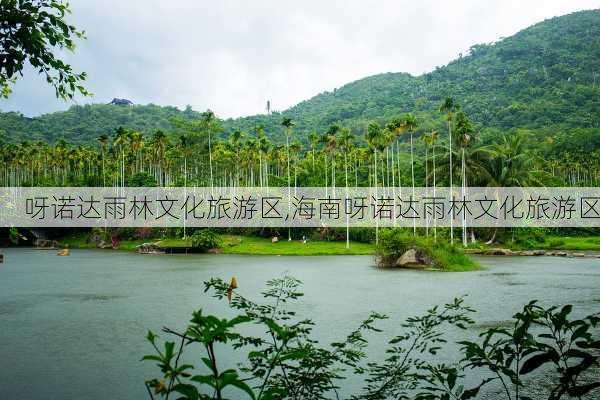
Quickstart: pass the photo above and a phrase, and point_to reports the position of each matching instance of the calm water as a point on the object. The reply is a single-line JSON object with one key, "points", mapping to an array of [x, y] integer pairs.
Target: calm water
{"points": [[74, 327]]}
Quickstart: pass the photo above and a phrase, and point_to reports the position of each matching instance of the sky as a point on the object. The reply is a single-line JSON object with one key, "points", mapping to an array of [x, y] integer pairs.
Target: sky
{"points": [[233, 56]]}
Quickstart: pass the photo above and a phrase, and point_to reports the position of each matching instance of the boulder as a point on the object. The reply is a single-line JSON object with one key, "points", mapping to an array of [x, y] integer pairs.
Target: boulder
{"points": [[531, 253], [412, 258], [499, 252], [148, 248], [578, 254], [103, 245]]}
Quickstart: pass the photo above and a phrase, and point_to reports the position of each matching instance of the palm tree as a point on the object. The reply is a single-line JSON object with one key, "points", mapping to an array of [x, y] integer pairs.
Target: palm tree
{"points": [[235, 139], [431, 141], [313, 139], [136, 140], [410, 124], [159, 146], [288, 124], [449, 107], [119, 141], [184, 148], [103, 140], [210, 124], [464, 129], [346, 143], [331, 144], [374, 137]]}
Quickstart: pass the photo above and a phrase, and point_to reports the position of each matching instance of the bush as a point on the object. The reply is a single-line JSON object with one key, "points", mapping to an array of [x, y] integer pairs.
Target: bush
{"points": [[287, 362], [141, 179], [395, 242], [205, 239]]}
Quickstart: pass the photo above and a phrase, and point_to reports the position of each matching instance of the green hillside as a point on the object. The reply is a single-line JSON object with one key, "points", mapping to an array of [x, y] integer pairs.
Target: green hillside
{"points": [[544, 78]]}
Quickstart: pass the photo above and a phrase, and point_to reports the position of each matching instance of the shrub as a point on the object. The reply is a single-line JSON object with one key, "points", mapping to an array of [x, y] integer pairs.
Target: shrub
{"points": [[205, 239], [392, 244], [286, 362], [395, 242]]}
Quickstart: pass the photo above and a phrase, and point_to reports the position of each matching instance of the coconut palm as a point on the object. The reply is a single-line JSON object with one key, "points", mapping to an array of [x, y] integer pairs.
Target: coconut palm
{"points": [[346, 144], [410, 124], [288, 124], [103, 140], [449, 107], [464, 131]]}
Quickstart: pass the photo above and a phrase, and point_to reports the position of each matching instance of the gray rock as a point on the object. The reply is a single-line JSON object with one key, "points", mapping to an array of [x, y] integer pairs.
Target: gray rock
{"points": [[500, 252], [148, 248], [412, 258]]}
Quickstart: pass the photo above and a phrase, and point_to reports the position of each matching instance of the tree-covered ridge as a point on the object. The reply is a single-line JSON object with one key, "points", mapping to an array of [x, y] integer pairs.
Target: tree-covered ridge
{"points": [[543, 78], [84, 124], [545, 75]]}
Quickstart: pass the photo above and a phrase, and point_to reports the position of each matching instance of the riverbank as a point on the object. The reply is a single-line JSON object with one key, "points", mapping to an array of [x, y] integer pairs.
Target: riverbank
{"points": [[243, 245]]}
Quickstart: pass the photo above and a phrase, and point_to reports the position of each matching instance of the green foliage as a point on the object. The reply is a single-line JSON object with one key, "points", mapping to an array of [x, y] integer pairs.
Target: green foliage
{"points": [[205, 239], [31, 31], [141, 179], [393, 243], [284, 361], [15, 236]]}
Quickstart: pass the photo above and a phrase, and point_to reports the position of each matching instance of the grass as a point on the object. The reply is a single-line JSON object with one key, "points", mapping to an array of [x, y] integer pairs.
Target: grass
{"points": [[262, 246], [233, 244], [453, 259], [571, 243]]}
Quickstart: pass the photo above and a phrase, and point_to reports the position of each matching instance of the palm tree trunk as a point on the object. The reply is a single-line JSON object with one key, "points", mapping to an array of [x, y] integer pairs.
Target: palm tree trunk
{"points": [[450, 156], [412, 170]]}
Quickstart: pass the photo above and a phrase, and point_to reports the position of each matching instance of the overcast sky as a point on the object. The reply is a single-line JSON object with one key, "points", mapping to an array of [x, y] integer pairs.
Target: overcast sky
{"points": [[233, 56]]}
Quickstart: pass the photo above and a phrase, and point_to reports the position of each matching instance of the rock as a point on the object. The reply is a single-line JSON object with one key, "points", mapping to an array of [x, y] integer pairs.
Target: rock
{"points": [[578, 254], [103, 245], [148, 248], [530, 253], [214, 251], [412, 258], [46, 244], [499, 252], [274, 239], [63, 252], [556, 253]]}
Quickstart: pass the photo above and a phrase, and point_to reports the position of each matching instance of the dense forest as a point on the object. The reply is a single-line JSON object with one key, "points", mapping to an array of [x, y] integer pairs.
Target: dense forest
{"points": [[543, 79]]}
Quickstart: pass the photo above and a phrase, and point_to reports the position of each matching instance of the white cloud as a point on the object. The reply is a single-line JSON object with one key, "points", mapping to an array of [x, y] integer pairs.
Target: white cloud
{"points": [[232, 56]]}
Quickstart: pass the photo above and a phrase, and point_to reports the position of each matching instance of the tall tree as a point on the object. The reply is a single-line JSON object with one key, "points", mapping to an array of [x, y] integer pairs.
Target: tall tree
{"points": [[464, 131], [449, 107], [288, 124]]}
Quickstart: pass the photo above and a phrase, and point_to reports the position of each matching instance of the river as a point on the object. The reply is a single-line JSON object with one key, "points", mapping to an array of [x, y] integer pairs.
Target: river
{"points": [[74, 327]]}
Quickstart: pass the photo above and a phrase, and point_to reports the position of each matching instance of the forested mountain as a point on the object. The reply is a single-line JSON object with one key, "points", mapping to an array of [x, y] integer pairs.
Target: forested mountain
{"points": [[544, 78]]}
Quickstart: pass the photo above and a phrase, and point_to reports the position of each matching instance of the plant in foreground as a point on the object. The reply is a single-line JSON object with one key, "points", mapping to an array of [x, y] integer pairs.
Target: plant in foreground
{"points": [[284, 361]]}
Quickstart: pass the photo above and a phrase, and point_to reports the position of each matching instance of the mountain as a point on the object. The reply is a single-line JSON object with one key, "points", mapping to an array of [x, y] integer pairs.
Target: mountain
{"points": [[545, 77]]}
